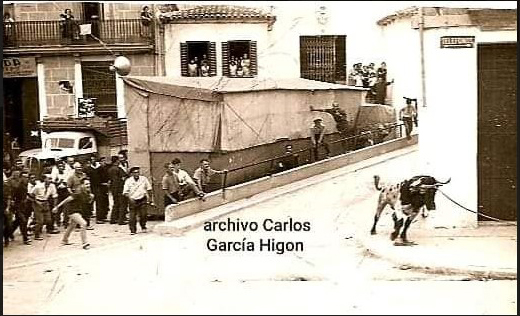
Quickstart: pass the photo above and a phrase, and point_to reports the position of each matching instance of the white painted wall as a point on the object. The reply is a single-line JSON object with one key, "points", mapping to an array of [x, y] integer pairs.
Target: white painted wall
{"points": [[279, 49], [449, 123]]}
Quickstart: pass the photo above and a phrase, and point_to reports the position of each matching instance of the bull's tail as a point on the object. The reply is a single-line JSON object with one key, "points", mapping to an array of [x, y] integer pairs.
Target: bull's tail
{"points": [[376, 183]]}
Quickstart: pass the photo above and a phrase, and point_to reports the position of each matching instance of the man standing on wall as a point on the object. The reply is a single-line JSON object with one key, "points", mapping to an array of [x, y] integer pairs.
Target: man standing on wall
{"points": [[317, 138], [408, 115], [340, 117]]}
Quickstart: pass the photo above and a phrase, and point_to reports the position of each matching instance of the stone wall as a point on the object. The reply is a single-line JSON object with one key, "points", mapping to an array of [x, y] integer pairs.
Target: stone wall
{"points": [[50, 11], [57, 68], [123, 10], [44, 11], [59, 102], [142, 64]]}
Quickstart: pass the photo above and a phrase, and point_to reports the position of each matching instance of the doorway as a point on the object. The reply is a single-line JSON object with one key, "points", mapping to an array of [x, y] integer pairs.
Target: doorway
{"points": [[497, 130], [21, 111]]}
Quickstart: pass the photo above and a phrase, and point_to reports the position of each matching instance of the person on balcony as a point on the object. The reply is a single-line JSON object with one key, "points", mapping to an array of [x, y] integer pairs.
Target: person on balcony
{"points": [[8, 28], [68, 25], [146, 21]]}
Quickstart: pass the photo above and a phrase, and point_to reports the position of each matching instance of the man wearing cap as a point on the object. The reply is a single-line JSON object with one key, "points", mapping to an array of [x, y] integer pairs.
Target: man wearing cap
{"points": [[138, 190], [317, 138], [340, 117]]}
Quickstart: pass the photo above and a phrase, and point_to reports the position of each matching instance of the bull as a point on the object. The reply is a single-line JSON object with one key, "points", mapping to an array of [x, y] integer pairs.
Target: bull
{"points": [[413, 194]]}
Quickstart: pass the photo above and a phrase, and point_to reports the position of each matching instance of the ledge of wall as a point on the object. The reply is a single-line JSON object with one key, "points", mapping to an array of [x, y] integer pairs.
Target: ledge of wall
{"points": [[248, 189]]}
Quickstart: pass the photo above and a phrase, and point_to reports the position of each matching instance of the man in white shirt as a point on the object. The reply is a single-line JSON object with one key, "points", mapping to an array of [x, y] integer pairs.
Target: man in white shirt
{"points": [[44, 194], [186, 183], [138, 190]]}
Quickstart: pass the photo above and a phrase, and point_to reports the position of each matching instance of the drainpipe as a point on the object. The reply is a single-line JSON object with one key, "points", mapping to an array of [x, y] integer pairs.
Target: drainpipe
{"points": [[421, 42]]}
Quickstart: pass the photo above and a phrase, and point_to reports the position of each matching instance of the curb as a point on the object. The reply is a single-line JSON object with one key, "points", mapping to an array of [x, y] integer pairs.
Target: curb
{"points": [[167, 230], [475, 272]]}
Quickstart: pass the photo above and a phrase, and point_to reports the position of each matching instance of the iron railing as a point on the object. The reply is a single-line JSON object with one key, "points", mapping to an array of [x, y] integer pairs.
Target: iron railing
{"points": [[45, 33], [350, 143]]}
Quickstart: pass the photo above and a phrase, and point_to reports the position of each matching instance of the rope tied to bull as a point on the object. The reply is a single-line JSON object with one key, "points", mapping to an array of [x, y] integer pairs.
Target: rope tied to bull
{"points": [[478, 213]]}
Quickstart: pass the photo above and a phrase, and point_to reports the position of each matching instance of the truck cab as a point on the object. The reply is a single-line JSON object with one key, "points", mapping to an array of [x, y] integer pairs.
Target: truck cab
{"points": [[79, 145]]}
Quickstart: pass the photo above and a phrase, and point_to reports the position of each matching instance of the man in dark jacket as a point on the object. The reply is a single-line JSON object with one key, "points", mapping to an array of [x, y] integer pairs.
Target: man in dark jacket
{"points": [[117, 177]]}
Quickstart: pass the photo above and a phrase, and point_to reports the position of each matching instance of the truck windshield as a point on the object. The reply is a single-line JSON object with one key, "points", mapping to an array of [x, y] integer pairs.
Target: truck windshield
{"points": [[59, 143]]}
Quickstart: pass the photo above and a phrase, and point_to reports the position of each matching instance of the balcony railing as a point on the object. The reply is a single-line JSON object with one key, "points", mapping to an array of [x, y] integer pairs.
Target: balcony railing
{"points": [[45, 33]]}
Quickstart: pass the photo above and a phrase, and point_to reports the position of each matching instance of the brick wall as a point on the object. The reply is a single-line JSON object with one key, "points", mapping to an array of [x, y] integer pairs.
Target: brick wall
{"points": [[123, 10], [59, 102], [142, 65], [45, 11], [50, 11]]}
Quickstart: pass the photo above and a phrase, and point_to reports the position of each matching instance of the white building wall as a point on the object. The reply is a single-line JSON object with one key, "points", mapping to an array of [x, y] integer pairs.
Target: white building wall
{"points": [[449, 122], [179, 33], [279, 49]]}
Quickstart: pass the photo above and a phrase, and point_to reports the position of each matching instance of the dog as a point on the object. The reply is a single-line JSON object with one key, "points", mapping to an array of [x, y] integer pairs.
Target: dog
{"points": [[413, 195]]}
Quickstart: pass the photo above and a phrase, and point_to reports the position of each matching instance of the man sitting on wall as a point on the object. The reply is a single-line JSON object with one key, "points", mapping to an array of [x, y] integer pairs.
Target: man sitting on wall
{"points": [[187, 187]]}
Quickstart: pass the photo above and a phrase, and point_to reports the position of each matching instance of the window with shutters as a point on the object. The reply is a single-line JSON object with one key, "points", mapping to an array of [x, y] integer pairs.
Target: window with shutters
{"points": [[323, 58], [198, 59], [239, 59], [99, 85]]}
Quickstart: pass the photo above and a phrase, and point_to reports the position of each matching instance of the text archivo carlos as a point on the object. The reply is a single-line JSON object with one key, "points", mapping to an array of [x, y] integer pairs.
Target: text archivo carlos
{"points": [[262, 244]]}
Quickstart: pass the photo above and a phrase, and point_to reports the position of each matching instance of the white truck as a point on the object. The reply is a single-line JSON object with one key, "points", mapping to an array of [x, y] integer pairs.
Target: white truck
{"points": [[79, 145]]}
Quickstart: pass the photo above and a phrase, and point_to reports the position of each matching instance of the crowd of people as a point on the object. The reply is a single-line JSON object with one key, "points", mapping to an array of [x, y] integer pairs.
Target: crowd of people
{"points": [[367, 76], [199, 68], [239, 66], [68, 192]]}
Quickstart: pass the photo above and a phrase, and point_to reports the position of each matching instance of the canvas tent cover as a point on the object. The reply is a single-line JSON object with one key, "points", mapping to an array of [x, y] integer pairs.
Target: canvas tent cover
{"points": [[190, 114]]}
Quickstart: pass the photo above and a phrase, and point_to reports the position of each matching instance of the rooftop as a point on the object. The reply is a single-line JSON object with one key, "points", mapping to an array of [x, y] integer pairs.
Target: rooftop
{"points": [[208, 88], [217, 13], [485, 18]]}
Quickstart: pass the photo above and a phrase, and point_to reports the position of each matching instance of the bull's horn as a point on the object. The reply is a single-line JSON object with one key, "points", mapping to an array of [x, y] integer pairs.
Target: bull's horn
{"points": [[439, 183]]}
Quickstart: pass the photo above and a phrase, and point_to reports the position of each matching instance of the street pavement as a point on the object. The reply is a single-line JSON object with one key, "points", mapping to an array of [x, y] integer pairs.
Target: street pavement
{"points": [[338, 271]]}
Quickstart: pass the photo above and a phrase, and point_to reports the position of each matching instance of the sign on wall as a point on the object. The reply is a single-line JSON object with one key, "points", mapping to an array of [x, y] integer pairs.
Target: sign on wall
{"points": [[19, 67], [86, 107], [457, 41]]}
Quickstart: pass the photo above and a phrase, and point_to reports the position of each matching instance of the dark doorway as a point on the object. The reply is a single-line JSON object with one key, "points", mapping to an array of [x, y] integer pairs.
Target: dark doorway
{"points": [[497, 130], [21, 111], [92, 13]]}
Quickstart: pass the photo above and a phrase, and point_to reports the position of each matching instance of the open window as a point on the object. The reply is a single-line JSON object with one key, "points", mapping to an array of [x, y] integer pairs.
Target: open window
{"points": [[239, 59], [198, 59]]}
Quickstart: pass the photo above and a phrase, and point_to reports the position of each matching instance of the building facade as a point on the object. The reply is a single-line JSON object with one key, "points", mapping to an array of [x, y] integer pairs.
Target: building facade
{"points": [[461, 65], [304, 40], [55, 63]]}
